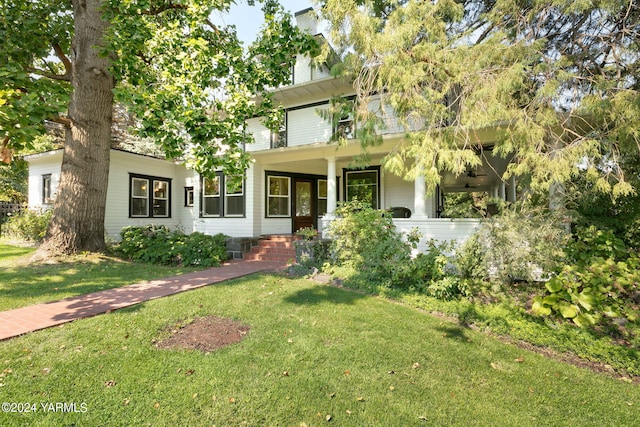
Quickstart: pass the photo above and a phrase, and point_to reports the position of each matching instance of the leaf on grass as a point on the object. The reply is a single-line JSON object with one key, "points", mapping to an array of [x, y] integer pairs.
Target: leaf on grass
{"points": [[285, 374], [391, 388], [109, 383], [416, 366], [156, 405], [519, 359], [347, 372], [126, 402], [360, 399], [332, 395], [232, 400], [289, 340], [328, 418], [189, 372], [348, 412]]}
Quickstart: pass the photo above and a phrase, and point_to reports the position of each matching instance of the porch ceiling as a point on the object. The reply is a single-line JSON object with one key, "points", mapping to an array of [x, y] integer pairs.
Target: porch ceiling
{"points": [[481, 178]]}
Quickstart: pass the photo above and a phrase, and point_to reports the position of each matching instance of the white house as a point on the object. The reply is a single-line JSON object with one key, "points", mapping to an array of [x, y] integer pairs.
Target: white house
{"points": [[296, 180]]}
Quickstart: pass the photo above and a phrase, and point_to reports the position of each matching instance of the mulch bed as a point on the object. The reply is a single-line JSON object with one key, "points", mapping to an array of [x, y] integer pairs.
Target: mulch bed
{"points": [[205, 334]]}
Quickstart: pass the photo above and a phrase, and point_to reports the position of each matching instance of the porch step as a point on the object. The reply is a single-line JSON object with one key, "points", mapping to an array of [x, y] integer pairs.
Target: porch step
{"points": [[274, 248]]}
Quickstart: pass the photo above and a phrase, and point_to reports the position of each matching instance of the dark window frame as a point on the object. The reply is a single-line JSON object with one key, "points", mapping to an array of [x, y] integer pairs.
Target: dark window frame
{"points": [[150, 197], [279, 138], [347, 172], [189, 197], [222, 196], [47, 196]]}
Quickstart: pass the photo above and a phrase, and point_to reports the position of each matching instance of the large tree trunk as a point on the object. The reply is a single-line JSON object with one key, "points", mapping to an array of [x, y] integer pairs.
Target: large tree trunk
{"points": [[79, 210]]}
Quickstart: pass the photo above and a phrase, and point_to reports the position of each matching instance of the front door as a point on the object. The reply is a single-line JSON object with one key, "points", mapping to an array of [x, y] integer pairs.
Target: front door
{"points": [[303, 204]]}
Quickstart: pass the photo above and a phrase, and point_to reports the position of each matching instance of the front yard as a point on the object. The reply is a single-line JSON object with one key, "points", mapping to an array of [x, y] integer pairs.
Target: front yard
{"points": [[313, 354]]}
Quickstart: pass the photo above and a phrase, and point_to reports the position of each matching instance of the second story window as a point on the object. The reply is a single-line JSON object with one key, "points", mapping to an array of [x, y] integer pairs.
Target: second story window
{"points": [[343, 123], [279, 136]]}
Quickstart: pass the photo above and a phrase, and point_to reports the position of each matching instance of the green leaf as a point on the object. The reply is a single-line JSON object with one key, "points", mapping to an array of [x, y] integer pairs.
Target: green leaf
{"points": [[568, 311], [584, 320], [553, 285]]}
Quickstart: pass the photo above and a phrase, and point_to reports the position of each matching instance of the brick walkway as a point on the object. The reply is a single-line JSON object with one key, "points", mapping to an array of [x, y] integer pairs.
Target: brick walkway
{"points": [[45, 315]]}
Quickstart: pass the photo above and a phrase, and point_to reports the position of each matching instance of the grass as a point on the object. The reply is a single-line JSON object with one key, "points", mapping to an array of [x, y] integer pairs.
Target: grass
{"points": [[313, 352], [22, 283]]}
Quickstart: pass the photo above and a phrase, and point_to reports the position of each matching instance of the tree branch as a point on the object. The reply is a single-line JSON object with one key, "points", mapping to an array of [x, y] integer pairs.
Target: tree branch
{"points": [[52, 76], [68, 67], [65, 121]]}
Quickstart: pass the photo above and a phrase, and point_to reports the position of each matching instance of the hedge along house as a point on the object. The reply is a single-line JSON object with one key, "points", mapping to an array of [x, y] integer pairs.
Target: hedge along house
{"points": [[296, 180]]}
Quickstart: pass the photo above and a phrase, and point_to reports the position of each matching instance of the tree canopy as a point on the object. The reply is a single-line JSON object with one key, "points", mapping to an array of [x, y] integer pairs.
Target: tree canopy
{"points": [[557, 81], [190, 84]]}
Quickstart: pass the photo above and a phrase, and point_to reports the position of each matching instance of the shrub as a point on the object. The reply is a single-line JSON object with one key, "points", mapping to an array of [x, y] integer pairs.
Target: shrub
{"points": [[159, 245], [514, 246], [599, 285], [28, 225], [366, 239]]}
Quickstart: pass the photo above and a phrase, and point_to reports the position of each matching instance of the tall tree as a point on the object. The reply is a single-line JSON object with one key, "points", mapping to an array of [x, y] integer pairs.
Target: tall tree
{"points": [[190, 82], [556, 80]]}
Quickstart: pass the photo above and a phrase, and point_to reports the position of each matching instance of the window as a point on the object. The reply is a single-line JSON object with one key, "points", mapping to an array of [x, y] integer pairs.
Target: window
{"points": [[222, 196], [363, 186], [150, 197], [46, 189], [279, 137], [211, 196], [188, 196], [343, 126], [278, 191], [322, 197], [234, 196]]}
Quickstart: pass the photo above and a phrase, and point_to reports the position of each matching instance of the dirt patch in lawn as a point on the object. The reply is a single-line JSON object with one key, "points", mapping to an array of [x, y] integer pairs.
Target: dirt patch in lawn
{"points": [[203, 333]]}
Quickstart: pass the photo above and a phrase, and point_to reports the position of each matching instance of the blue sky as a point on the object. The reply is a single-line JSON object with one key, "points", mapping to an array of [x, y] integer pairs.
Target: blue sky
{"points": [[249, 19]]}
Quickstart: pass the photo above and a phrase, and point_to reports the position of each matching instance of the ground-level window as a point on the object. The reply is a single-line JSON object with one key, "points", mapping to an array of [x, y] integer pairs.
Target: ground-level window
{"points": [[278, 196], [222, 196], [363, 185], [188, 196], [47, 197], [322, 197], [150, 197]]}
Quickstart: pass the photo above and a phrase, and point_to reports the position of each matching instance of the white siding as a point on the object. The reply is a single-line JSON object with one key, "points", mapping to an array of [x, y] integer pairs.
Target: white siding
{"points": [[440, 229], [302, 69], [306, 126], [261, 135], [43, 164], [117, 211]]}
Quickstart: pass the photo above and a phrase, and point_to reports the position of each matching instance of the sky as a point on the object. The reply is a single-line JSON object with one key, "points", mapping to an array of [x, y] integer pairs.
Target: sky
{"points": [[248, 19]]}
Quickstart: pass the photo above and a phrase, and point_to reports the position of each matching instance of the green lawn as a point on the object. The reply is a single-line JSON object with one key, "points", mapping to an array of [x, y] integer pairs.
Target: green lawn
{"points": [[23, 283], [312, 352]]}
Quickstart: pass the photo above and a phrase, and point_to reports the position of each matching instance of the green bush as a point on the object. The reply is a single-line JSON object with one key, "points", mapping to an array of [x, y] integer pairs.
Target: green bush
{"points": [[159, 245], [366, 239], [28, 225], [599, 286], [514, 247]]}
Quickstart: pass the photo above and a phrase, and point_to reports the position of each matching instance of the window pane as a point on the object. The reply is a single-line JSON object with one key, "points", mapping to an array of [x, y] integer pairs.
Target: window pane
{"points": [[278, 206], [212, 186], [140, 187], [363, 186], [160, 208], [235, 205], [278, 186], [211, 206], [322, 188], [139, 207], [233, 185], [303, 199], [160, 189], [322, 207]]}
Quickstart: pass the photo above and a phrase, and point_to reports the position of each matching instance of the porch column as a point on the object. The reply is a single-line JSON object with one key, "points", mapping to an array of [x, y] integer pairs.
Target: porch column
{"points": [[419, 195], [332, 193], [502, 190]]}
